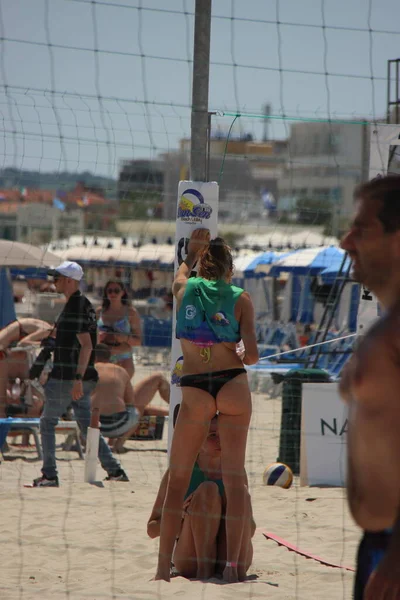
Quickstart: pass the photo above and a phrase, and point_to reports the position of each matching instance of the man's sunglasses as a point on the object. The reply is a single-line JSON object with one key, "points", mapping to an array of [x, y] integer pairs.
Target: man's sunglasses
{"points": [[114, 290]]}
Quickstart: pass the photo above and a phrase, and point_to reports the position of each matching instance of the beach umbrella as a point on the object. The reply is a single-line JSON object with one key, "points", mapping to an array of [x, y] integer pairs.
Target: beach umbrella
{"points": [[17, 254], [298, 302], [308, 261], [90, 255], [261, 264], [329, 275], [240, 263]]}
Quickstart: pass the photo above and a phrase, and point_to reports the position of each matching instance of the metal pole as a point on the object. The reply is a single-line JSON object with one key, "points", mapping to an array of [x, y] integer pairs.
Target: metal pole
{"points": [[201, 71], [397, 91], [208, 147], [388, 90]]}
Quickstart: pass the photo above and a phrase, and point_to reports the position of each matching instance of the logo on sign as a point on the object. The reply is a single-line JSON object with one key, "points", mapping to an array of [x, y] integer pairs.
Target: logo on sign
{"points": [[366, 295], [220, 319], [192, 208], [190, 312], [177, 372]]}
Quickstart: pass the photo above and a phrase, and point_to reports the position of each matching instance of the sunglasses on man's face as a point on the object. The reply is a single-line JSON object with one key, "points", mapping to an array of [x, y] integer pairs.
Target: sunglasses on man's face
{"points": [[114, 290]]}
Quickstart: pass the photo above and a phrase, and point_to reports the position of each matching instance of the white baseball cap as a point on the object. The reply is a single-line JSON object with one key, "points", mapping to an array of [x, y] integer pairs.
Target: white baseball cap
{"points": [[68, 269]]}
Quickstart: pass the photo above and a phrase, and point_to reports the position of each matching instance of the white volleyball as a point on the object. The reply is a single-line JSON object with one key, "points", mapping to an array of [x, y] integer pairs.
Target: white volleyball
{"points": [[278, 474]]}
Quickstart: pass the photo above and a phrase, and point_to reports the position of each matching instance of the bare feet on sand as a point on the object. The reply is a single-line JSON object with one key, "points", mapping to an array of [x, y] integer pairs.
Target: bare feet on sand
{"points": [[230, 575], [161, 575]]}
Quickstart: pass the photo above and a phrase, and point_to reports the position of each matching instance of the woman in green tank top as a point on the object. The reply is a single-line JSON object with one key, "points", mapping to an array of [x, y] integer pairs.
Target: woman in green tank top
{"points": [[213, 318]]}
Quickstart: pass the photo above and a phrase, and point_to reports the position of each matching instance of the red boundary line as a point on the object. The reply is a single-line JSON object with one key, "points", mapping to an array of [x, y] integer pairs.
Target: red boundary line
{"points": [[281, 542]]}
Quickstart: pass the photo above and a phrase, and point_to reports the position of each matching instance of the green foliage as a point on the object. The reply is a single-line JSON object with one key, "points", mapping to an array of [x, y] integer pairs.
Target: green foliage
{"points": [[141, 205], [312, 211], [340, 230]]}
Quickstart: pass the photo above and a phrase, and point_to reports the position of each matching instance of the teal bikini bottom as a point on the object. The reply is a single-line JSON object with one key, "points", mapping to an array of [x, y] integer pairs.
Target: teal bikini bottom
{"points": [[116, 358]]}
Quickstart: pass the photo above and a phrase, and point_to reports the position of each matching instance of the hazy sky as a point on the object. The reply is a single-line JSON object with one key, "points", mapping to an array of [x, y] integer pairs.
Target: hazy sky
{"points": [[75, 108]]}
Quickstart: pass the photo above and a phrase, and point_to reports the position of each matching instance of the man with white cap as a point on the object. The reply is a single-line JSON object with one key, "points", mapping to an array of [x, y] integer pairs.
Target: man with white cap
{"points": [[73, 377]]}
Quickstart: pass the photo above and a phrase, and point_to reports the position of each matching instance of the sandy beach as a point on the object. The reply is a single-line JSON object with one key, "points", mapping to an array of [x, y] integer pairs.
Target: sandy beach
{"points": [[84, 541]]}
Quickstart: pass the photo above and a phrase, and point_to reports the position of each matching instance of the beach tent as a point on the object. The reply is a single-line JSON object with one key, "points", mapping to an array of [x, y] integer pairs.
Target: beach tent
{"points": [[258, 288], [298, 302], [240, 264], [261, 264], [308, 261]]}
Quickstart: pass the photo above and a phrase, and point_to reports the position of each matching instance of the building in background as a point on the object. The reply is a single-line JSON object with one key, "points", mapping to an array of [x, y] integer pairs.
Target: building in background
{"points": [[246, 171], [40, 215], [140, 188], [325, 162]]}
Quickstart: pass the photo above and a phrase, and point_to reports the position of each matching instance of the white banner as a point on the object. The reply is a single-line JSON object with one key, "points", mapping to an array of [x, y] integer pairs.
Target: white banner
{"points": [[323, 436], [384, 159], [197, 207]]}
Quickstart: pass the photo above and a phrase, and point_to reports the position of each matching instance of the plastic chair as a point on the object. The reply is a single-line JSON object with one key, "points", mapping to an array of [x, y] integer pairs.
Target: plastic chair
{"points": [[156, 339]]}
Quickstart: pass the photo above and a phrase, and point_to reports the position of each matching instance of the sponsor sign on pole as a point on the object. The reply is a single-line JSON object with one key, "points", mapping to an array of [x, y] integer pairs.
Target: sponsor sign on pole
{"points": [[384, 159], [197, 207]]}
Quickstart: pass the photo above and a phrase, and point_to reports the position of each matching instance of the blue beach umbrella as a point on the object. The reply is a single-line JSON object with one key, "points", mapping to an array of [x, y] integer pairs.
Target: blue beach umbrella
{"points": [[329, 275], [240, 264], [260, 265], [308, 261]]}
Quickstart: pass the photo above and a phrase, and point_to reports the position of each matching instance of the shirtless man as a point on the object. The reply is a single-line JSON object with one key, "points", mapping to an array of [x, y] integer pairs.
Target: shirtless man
{"points": [[25, 331], [370, 385], [120, 406], [14, 361]]}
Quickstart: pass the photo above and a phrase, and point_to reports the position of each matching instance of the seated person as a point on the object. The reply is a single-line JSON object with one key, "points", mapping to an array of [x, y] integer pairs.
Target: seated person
{"points": [[24, 400], [24, 331], [200, 549], [14, 365], [119, 404]]}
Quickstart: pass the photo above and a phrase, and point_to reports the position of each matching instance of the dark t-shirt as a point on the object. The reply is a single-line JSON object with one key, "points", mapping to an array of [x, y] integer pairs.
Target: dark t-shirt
{"points": [[77, 317]]}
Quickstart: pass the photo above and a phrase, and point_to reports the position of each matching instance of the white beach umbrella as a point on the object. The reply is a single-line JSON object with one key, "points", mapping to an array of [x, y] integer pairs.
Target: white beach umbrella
{"points": [[18, 254]]}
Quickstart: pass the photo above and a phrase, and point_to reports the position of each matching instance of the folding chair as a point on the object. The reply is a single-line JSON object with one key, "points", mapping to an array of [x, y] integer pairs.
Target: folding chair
{"points": [[156, 340]]}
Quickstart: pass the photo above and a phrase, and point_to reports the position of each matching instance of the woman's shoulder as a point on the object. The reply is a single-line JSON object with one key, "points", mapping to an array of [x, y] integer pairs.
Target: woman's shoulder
{"points": [[99, 311], [132, 311]]}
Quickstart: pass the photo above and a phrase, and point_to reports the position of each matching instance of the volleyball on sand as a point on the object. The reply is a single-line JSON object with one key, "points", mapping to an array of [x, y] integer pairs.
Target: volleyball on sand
{"points": [[278, 474]]}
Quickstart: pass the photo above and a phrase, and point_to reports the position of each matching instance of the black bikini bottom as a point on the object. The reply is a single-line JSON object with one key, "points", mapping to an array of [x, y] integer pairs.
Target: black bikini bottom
{"points": [[210, 382]]}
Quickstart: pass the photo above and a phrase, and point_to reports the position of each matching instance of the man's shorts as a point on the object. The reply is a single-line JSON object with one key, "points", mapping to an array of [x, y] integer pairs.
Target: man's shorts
{"points": [[116, 425], [372, 549]]}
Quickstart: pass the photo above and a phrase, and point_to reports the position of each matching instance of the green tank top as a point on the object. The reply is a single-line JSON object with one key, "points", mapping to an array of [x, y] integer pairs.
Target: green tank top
{"points": [[199, 477], [206, 315]]}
